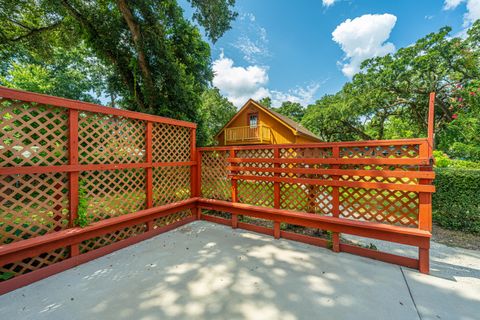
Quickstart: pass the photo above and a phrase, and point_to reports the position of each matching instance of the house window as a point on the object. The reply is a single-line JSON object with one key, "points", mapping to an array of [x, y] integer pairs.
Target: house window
{"points": [[253, 120]]}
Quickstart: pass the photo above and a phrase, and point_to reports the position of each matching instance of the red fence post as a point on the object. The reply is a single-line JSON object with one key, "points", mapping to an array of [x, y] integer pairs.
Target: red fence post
{"points": [[149, 170], [198, 181], [73, 175], [194, 191], [335, 201], [234, 193], [276, 194]]}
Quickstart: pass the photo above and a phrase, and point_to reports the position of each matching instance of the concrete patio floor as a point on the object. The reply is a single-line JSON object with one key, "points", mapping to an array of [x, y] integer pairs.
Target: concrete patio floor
{"points": [[208, 271]]}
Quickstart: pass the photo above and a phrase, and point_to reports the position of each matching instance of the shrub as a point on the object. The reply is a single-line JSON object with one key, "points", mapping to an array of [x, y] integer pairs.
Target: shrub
{"points": [[456, 202]]}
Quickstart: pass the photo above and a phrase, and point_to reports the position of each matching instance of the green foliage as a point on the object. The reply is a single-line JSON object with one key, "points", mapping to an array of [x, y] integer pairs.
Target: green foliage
{"points": [[215, 111], [442, 160], [456, 204], [293, 110], [389, 98], [83, 218], [152, 59], [266, 102]]}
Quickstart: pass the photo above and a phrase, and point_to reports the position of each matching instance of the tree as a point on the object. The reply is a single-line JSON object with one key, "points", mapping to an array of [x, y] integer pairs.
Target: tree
{"points": [[293, 110], [389, 97], [266, 102], [159, 62], [215, 111]]}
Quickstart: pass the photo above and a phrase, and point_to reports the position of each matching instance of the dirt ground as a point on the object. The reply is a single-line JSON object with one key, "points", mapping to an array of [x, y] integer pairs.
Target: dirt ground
{"points": [[455, 238]]}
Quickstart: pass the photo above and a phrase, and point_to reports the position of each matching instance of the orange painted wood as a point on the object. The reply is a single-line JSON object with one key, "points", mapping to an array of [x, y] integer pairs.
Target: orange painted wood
{"points": [[424, 260], [89, 167], [73, 160], [149, 170], [75, 260], [193, 169], [341, 172], [276, 230], [319, 242], [206, 217], [234, 194], [341, 183], [30, 247], [336, 200], [381, 256], [431, 122], [255, 228], [379, 161], [372, 143], [404, 235], [276, 184], [85, 106]]}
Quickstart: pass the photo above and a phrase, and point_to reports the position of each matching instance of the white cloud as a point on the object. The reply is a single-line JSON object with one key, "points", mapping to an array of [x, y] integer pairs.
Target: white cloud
{"points": [[473, 10], [253, 41], [303, 95], [239, 83], [362, 38], [451, 4], [328, 3]]}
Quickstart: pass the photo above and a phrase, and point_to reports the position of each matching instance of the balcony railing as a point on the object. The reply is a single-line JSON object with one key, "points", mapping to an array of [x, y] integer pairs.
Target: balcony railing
{"points": [[248, 135]]}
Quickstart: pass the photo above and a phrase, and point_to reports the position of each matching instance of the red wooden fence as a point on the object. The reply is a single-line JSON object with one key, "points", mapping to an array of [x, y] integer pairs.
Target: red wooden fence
{"points": [[136, 175]]}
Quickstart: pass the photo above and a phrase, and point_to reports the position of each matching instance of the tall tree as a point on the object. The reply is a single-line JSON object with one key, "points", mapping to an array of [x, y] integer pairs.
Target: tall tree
{"points": [[215, 111], [159, 62], [293, 110]]}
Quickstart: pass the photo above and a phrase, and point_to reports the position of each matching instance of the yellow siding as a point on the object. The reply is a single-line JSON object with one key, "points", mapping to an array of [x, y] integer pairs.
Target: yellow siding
{"points": [[281, 133]]}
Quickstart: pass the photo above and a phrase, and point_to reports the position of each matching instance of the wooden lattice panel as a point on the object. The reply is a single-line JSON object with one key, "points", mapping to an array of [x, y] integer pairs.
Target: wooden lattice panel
{"points": [[112, 193], [305, 153], [387, 206], [306, 198], [170, 143], [32, 205], [110, 139], [391, 151], [172, 218], [27, 265], [32, 135], [258, 193], [215, 182], [255, 154], [170, 184], [110, 238]]}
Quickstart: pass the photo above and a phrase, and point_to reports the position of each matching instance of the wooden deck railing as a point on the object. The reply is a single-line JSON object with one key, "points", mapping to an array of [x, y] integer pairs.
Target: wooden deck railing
{"points": [[238, 135], [133, 176]]}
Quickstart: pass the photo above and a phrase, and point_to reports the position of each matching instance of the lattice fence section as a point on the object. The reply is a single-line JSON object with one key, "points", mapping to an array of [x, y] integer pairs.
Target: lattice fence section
{"points": [[112, 193], [27, 265], [388, 151], [258, 193], [170, 184], [110, 238], [170, 143], [172, 218], [32, 135], [215, 182], [255, 154], [32, 205], [306, 198], [110, 139], [386, 206]]}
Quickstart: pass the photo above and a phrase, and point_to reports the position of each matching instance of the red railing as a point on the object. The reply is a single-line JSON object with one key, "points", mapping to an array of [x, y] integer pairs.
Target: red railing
{"points": [[133, 176]]}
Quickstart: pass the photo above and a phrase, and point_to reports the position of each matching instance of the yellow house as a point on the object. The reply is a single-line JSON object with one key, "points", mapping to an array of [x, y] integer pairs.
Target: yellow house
{"points": [[256, 124]]}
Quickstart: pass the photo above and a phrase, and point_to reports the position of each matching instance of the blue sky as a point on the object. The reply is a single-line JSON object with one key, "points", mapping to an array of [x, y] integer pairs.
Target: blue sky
{"points": [[301, 50]]}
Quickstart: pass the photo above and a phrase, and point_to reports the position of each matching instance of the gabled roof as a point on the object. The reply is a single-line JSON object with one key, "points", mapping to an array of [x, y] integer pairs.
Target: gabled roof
{"points": [[292, 125]]}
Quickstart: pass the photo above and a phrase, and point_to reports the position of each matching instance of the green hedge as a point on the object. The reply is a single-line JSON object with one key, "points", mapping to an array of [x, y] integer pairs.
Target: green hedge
{"points": [[456, 202]]}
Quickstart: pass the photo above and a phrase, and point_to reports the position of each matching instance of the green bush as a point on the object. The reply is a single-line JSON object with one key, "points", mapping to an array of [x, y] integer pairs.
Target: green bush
{"points": [[442, 160], [456, 202]]}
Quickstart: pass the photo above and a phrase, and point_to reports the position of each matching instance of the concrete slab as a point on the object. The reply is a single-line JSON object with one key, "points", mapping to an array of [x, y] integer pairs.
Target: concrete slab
{"points": [[208, 271]]}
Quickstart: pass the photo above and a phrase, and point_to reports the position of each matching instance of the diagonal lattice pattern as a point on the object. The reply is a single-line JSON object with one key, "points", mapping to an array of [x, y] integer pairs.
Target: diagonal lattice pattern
{"points": [[170, 143], [172, 218], [32, 135], [27, 265], [110, 139], [112, 193], [215, 183], [387, 206], [170, 184], [306, 198], [32, 205], [390, 151], [259, 193], [255, 154], [110, 238]]}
